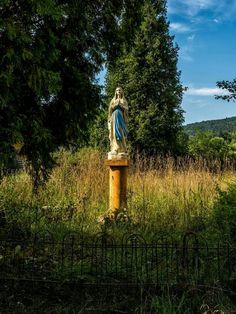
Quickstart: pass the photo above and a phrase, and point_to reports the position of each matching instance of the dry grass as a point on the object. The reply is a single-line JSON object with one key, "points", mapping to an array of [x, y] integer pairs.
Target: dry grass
{"points": [[163, 193]]}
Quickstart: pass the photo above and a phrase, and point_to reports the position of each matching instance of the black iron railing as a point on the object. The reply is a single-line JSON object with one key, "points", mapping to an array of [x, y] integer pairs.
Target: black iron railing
{"points": [[103, 260]]}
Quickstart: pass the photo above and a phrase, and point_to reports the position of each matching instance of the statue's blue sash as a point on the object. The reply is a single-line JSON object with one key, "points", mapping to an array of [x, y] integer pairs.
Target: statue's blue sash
{"points": [[120, 124]]}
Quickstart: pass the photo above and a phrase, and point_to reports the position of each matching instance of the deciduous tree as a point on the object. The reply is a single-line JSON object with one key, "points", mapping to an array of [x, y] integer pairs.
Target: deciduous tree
{"points": [[50, 52], [230, 87]]}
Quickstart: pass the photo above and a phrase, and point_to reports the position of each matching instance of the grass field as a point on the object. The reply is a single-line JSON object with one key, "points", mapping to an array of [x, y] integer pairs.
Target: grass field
{"points": [[164, 195]]}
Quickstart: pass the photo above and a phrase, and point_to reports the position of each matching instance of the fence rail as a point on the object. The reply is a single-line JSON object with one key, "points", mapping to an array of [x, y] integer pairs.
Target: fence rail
{"points": [[103, 260]]}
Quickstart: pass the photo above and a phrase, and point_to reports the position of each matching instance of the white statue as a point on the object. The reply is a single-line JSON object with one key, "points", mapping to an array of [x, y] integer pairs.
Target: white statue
{"points": [[117, 125]]}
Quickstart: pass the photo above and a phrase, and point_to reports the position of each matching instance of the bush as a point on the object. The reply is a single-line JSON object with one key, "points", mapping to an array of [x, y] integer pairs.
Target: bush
{"points": [[224, 213]]}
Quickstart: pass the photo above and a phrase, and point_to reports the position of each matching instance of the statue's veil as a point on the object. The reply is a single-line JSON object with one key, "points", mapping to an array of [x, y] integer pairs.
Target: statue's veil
{"points": [[122, 97]]}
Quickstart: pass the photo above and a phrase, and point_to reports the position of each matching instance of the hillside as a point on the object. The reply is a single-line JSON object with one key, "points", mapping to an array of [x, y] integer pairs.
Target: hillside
{"points": [[216, 126]]}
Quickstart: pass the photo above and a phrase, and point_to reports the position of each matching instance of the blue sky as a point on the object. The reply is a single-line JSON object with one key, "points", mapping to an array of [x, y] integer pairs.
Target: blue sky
{"points": [[205, 31]]}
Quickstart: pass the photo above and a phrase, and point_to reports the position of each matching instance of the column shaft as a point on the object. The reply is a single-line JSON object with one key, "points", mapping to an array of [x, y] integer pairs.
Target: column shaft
{"points": [[118, 184]]}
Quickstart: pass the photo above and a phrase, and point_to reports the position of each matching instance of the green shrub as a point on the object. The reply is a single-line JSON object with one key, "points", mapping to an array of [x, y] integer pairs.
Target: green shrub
{"points": [[224, 213]]}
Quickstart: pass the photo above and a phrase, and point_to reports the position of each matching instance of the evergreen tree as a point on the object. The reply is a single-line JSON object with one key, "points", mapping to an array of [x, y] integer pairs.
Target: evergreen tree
{"points": [[147, 70], [50, 52]]}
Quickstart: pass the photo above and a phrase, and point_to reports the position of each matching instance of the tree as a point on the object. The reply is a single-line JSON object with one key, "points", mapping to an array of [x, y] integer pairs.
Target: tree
{"points": [[128, 23], [208, 145], [199, 143], [98, 131], [50, 52], [147, 70], [230, 87]]}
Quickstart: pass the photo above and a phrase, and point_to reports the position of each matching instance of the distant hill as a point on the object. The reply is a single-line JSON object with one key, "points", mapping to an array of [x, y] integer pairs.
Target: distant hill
{"points": [[216, 126]]}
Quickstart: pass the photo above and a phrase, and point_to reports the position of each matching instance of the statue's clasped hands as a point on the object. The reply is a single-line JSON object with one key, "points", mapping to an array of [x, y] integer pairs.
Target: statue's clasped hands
{"points": [[117, 103]]}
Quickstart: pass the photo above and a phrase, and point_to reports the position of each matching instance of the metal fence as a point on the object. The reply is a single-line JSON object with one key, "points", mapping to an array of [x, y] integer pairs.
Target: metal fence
{"points": [[103, 260]]}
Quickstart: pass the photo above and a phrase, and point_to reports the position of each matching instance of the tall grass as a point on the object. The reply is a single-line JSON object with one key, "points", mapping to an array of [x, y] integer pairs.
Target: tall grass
{"points": [[164, 194]]}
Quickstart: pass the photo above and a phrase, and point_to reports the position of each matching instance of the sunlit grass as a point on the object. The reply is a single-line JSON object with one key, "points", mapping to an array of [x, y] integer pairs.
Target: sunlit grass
{"points": [[163, 194]]}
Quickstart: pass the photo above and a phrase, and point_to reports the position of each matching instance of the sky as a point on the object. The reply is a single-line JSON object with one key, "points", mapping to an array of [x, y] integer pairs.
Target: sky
{"points": [[205, 31]]}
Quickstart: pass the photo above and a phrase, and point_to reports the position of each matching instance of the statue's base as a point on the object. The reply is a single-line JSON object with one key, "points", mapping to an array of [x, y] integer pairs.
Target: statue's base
{"points": [[118, 183], [112, 156]]}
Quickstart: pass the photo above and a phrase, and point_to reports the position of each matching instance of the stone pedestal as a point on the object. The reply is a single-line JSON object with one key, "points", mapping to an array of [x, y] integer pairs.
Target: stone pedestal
{"points": [[118, 169]]}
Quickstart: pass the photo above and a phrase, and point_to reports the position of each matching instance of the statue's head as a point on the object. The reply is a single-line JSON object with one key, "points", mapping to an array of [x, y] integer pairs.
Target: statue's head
{"points": [[119, 92]]}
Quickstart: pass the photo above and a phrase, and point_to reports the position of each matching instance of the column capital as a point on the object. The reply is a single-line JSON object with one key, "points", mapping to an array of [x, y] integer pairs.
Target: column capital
{"points": [[117, 162]]}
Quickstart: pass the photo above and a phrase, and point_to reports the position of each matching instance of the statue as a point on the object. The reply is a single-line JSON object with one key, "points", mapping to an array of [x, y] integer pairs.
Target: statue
{"points": [[117, 125]]}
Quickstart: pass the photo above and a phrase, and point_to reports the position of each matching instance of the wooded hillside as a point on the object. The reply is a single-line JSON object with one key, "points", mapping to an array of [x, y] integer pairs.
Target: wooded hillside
{"points": [[217, 126]]}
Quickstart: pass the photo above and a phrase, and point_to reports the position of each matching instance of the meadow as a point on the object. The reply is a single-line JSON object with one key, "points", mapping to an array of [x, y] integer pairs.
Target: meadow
{"points": [[166, 196]]}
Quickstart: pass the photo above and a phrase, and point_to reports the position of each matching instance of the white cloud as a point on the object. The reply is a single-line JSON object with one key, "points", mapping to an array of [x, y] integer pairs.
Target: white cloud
{"points": [[179, 27], [190, 7], [226, 10], [198, 4], [191, 37], [192, 101], [185, 53], [220, 10], [186, 57], [205, 91]]}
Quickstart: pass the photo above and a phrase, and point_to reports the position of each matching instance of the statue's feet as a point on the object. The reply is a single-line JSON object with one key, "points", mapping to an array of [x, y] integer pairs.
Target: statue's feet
{"points": [[123, 154], [115, 155], [112, 154]]}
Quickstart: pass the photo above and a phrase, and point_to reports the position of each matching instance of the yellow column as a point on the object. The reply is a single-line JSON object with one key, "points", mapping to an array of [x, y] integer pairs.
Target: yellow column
{"points": [[118, 184]]}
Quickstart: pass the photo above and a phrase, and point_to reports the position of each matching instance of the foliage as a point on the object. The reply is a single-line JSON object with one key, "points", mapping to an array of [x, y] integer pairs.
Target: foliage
{"points": [[191, 301], [210, 146], [98, 132], [224, 213], [146, 68], [50, 52], [230, 87], [48, 298], [218, 127]]}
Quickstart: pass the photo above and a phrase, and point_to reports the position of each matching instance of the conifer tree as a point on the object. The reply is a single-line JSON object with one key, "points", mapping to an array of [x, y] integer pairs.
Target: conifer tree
{"points": [[147, 70]]}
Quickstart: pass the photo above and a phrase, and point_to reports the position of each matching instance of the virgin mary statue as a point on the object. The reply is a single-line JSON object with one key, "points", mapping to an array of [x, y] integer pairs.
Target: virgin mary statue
{"points": [[117, 124]]}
